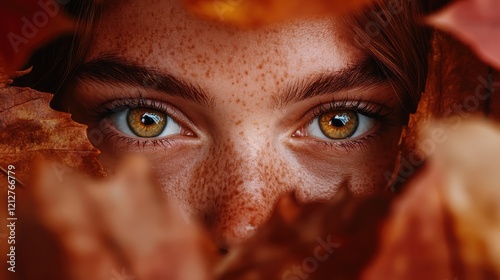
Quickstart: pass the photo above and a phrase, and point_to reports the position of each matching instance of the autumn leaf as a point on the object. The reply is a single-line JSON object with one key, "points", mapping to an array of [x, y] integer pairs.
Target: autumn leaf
{"points": [[25, 25], [30, 129], [119, 225], [459, 86], [262, 12], [475, 22], [328, 240], [446, 223]]}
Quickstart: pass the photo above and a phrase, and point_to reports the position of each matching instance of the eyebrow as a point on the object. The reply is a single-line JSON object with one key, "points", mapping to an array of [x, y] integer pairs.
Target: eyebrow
{"points": [[367, 72], [111, 68]]}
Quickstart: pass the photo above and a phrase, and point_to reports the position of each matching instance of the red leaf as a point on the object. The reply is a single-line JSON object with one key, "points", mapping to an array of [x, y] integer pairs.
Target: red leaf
{"points": [[475, 22], [27, 24]]}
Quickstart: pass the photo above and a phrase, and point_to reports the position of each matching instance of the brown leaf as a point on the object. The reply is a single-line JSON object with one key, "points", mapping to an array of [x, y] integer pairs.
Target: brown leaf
{"points": [[6, 79], [446, 224], [120, 225], [316, 241], [256, 13], [27, 24], [31, 129], [459, 86], [475, 22]]}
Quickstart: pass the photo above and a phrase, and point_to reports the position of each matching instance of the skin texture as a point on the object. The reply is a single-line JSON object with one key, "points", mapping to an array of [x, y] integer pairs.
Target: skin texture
{"points": [[244, 151]]}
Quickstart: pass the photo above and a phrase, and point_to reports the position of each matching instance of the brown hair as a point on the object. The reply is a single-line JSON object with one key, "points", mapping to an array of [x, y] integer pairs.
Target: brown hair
{"points": [[387, 30], [391, 32]]}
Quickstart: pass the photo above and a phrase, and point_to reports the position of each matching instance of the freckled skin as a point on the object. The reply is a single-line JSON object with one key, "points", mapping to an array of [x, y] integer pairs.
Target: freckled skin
{"points": [[243, 157]]}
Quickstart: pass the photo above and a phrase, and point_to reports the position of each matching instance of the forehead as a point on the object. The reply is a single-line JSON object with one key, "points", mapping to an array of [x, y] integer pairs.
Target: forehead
{"points": [[164, 35]]}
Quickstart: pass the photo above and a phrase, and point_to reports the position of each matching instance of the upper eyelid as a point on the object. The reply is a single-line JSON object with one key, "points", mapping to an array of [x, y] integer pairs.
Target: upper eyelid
{"points": [[380, 111], [368, 108], [176, 114]]}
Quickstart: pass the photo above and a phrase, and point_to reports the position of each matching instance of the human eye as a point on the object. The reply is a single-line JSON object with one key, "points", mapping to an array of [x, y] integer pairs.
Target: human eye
{"points": [[143, 121], [344, 123], [340, 124]]}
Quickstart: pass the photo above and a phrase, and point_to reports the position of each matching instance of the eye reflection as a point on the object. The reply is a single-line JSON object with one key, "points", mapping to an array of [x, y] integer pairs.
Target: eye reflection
{"points": [[340, 124], [145, 122]]}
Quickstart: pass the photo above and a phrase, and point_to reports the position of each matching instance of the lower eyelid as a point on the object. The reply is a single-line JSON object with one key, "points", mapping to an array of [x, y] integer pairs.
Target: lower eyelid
{"points": [[349, 145], [120, 141]]}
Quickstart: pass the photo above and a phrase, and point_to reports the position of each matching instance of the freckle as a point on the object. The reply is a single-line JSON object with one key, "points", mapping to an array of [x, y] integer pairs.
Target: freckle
{"points": [[260, 66], [241, 133], [238, 101], [246, 72], [230, 60], [238, 122]]}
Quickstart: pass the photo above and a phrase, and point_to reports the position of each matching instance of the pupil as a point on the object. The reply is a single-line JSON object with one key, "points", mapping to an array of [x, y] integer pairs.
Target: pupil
{"points": [[149, 119], [339, 120]]}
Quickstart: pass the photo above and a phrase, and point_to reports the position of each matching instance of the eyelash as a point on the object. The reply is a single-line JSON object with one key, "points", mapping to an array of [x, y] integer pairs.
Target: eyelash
{"points": [[104, 111], [367, 108]]}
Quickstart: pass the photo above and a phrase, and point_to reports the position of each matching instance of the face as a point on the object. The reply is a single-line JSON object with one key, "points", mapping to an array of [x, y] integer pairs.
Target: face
{"points": [[233, 119]]}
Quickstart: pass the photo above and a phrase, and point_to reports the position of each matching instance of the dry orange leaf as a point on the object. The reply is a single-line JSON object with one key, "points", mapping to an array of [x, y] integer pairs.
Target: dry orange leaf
{"points": [[246, 13], [27, 24], [29, 128]]}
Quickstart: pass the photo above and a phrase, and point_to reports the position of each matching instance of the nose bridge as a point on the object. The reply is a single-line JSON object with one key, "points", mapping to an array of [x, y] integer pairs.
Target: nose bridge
{"points": [[234, 187]]}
